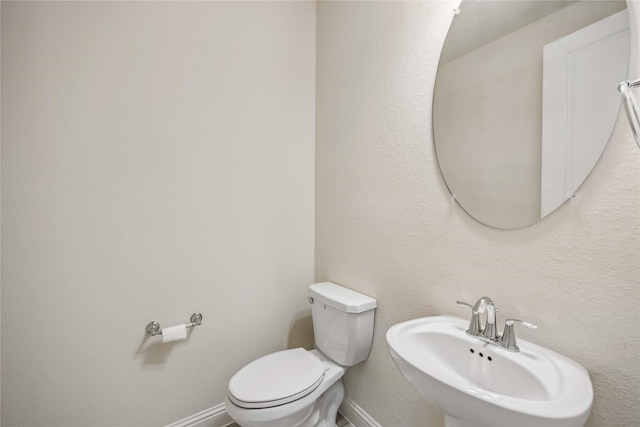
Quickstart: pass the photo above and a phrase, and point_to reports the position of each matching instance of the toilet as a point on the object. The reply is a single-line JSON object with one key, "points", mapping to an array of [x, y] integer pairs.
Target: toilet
{"points": [[301, 388]]}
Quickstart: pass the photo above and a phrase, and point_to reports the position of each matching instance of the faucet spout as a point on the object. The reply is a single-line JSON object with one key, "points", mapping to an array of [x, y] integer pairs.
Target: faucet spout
{"points": [[481, 305], [490, 331]]}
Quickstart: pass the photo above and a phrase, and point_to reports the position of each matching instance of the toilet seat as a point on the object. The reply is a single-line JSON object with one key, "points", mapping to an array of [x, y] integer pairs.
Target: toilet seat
{"points": [[276, 379]]}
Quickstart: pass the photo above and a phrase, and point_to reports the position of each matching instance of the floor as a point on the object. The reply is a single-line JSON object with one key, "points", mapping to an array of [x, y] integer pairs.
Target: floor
{"points": [[340, 421]]}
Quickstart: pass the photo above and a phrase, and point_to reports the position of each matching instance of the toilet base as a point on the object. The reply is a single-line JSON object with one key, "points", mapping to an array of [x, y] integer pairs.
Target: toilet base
{"points": [[327, 406]]}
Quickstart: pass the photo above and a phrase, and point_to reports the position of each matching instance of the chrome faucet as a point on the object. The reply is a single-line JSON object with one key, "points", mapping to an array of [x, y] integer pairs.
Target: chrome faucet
{"points": [[489, 331]]}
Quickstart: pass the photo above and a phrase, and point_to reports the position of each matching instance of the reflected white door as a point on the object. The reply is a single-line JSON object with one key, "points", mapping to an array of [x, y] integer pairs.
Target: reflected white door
{"points": [[580, 103]]}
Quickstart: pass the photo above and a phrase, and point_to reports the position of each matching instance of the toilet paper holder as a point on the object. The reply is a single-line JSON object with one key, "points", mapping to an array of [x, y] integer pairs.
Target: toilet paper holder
{"points": [[153, 328]]}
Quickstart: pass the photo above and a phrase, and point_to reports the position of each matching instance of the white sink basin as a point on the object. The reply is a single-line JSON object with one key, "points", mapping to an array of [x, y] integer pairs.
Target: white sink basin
{"points": [[477, 383]]}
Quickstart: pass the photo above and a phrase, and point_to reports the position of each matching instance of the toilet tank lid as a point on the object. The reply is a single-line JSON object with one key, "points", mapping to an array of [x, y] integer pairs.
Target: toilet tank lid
{"points": [[341, 298]]}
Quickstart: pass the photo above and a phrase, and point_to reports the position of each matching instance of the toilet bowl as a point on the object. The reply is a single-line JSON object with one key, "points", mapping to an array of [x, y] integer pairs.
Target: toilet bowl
{"points": [[305, 407], [301, 388]]}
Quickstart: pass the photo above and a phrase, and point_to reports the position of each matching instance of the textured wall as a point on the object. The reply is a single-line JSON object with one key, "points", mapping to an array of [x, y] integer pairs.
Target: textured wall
{"points": [[385, 225], [157, 159]]}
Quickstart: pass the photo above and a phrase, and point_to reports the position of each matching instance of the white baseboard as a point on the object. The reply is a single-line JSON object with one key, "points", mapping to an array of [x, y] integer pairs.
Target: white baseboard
{"points": [[215, 416], [356, 415]]}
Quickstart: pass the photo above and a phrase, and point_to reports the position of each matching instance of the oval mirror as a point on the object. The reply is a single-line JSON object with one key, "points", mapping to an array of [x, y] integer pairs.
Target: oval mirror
{"points": [[525, 101]]}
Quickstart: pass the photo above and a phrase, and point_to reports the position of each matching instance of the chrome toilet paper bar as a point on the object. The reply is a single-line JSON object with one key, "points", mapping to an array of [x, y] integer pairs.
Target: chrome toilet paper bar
{"points": [[153, 328]]}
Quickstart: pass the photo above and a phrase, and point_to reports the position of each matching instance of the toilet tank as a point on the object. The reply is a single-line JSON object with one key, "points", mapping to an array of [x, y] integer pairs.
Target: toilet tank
{"points": [[342, 322]]}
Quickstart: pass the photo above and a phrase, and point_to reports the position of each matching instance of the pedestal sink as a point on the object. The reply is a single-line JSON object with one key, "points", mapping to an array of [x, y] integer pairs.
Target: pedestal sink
{"points": [[477, 383]]}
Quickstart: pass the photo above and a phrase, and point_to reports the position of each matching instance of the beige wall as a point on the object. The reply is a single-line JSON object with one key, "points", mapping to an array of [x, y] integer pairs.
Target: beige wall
{"points": [[385, 225], [157, 160]]}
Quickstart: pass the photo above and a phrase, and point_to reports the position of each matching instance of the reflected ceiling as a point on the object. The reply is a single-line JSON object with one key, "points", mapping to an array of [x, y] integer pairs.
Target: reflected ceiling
{"points": [[479, 25]]}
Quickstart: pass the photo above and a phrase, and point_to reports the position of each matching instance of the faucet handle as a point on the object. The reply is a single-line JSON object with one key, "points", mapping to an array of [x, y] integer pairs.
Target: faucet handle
{"points": [[474, 324], [510, 322], [508, 339]]}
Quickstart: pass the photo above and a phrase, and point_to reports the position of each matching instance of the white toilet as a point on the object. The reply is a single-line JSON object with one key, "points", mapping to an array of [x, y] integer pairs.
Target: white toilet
{"points": [[300, 388]]}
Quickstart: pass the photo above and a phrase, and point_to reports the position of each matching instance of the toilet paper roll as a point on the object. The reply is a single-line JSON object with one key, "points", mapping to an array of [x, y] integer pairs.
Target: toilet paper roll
{"points": [[174, 333]]}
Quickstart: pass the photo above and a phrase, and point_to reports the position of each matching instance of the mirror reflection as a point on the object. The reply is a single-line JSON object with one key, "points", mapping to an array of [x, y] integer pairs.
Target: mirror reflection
{"points": [[525, 101]]}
